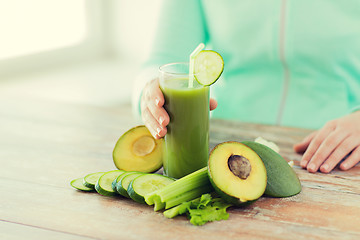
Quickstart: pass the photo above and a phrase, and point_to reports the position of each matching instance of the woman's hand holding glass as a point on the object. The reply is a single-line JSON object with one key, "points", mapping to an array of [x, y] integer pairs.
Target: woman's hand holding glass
{"points": [[153, 113]]}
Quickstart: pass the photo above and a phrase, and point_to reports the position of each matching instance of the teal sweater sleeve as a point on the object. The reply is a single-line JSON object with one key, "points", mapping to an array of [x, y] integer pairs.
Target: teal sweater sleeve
{"points": [[180, 29]]}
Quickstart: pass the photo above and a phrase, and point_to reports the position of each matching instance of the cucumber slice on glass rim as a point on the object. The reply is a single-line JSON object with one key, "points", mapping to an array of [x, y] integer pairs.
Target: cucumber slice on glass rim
{"points": [[208, 67]]}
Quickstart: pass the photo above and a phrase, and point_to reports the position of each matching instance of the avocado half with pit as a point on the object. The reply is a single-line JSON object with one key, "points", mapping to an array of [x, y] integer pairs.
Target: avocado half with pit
{"points": [[138, 150], [237, 173]]}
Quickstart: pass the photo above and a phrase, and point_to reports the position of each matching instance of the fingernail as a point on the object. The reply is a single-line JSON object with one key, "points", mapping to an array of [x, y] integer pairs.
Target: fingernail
{"points": [[161, 120], [157, 102], [311, 167], [158, 130], [303, 163], [345, 166], [325, 167]]}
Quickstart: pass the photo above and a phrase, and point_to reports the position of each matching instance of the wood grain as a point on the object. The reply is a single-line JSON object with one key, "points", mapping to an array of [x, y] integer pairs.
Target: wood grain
{"points": [[10, 231], [44, 144]]}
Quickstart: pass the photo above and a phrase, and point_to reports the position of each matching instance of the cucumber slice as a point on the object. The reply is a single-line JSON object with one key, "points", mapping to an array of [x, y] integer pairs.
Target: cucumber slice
{"points": [[145, 184], [103, 185], [208, 66], [125, 181], [78, 184], [118, 179], [91, 179], [113, 184]]}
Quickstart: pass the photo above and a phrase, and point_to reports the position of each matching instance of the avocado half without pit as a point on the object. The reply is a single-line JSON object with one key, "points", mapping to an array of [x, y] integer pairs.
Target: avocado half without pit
{"points": [[237, 173], [138, 150]]}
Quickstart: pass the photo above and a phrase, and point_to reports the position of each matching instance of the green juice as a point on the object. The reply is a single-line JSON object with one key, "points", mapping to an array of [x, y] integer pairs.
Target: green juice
{"points": [[187, 138]]}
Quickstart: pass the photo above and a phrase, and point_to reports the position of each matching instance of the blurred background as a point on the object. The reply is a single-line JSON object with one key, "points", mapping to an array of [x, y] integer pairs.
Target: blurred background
{"points": [[83, 51]]}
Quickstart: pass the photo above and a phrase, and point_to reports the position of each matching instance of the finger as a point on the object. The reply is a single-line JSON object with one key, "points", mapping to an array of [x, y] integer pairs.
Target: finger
{"points": [[213, 104], [155, 93], [149, 122], [159, 113], [302, 146], [154, 100], [152, 124], [313, 146], [327, 146], [352, 160], [337, 155]]}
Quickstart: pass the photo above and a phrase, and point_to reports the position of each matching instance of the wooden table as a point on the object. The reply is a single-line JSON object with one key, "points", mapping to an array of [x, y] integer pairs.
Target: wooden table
{"points": [[46, 143]]}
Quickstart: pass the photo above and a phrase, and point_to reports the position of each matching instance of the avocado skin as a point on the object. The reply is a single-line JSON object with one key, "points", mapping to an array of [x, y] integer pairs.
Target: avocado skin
{"points": [[282, 180]]}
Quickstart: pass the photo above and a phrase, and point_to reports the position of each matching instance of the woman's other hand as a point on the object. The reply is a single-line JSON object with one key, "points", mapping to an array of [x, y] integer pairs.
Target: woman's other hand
{"points": [[325, 148]]}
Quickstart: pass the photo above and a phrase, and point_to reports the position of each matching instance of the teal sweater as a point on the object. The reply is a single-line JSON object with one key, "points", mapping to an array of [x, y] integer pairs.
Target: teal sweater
{"points": [[292, 63]]}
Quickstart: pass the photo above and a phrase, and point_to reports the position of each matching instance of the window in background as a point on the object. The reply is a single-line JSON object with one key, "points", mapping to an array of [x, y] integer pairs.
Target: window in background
{"points": [[28, 27], [135, 25]]}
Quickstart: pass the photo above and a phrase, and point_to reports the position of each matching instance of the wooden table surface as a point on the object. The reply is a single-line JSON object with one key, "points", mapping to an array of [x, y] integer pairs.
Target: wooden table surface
{"points": [[46, 143]]}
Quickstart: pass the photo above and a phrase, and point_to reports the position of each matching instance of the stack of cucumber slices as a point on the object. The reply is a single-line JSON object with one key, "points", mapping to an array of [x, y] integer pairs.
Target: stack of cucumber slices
{"points": [[130, 184]]}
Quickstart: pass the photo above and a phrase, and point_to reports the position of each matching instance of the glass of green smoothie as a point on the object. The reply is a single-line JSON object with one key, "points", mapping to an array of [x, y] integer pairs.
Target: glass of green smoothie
{"points": [[187, 139]]}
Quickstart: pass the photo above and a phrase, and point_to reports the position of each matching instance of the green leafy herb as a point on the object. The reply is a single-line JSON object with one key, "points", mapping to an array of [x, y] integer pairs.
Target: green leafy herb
{"points": [[201, 210]]}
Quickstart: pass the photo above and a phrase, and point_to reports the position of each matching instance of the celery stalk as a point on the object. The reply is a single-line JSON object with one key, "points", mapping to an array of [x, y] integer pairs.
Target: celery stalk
{"points": [[187, 196], [158, 204], [179, 209], [194, 180], [184, 189], [173, 212], [149, 198]]}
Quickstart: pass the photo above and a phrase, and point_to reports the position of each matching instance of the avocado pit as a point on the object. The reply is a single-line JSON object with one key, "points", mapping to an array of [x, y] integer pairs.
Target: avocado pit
{"points": [[239, 166], [144, 146]]}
